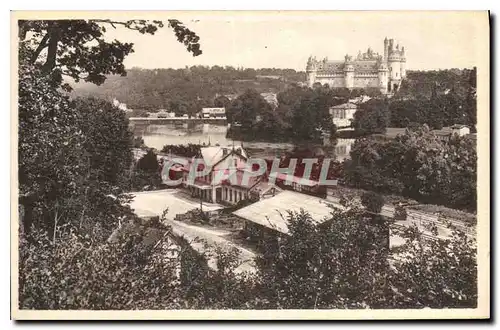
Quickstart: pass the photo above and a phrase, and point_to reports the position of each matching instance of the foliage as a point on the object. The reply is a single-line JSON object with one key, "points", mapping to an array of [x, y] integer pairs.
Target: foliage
{"points": [[189, 150], [186, 90], [147, 174], [138, 142], [72, 273], [222, 101], [372, 201], [108, 140], [436, 98], [246, 108], [50, 147], [311, 116], [302, 115], [65, 166], [337, 265], [79, 49], [417, 165], [436, 273], [372, 117]]}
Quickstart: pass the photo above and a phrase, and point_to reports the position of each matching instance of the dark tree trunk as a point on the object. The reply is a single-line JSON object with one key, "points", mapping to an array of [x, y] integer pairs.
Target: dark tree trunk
{"points": [[54, 36]]}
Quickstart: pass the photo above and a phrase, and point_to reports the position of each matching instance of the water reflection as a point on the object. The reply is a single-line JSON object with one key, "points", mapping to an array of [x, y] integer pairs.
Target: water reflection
{"points": [[343, 148], [156, 136]]}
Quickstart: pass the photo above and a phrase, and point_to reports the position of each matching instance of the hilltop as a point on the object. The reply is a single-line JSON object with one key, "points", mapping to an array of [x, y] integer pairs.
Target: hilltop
{"points": [[189, 88]]}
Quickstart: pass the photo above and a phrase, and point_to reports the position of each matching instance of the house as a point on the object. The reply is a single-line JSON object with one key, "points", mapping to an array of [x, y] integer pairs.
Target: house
{"points": [[445, 133], [460, 130], [236, 188], [213, 113], [298, 184], [343, 114], [224, 169], [301, 184], [268, 217], [270, 98]]}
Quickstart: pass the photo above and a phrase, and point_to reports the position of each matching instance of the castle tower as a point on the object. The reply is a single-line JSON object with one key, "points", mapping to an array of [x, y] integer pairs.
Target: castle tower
{"points": [[311, 71], [386, 49], [383, 77], [394, 63], [348, 73], [403, 63]]}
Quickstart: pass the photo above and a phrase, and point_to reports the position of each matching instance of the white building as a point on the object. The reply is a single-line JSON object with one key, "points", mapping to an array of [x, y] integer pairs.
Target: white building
{"points": [[213, 112], [445, 133], [343, 114], [225, 182]]}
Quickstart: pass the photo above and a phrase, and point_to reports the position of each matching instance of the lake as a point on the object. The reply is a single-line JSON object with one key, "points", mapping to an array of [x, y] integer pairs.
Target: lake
{"points": [[156, 136]]}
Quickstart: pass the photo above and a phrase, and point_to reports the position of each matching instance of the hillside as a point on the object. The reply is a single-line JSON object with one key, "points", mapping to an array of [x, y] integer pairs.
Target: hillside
{"points": [[189, 88]]}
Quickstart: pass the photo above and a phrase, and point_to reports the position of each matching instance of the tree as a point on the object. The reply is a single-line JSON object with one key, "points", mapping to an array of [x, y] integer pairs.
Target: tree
{"points": [[372, 117], [132, 273], [417, 165], [311, 116], [246, 107], [222, 101], [69, 160], [335, 265], [147, 172], [78, 48], [436, 273], [471, 100], [108, 139], [373, 202], [52, 163], [436, 98], [138, 142]]}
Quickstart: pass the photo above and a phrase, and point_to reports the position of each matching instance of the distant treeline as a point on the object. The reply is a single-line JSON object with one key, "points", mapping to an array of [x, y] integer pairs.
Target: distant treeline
{"points": [[423, 83], [186, 91]]}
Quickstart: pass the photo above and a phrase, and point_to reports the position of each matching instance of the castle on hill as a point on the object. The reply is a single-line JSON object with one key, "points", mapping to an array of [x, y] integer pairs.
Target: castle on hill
{"points": [[368, 70]]}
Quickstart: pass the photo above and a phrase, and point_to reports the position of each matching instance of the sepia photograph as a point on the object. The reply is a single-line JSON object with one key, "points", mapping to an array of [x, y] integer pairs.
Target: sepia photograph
{"points": [[250, 165]]}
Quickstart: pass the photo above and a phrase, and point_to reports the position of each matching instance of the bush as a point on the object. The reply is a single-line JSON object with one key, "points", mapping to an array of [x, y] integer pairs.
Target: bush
{"points": [[372, 201], [138, 142]]}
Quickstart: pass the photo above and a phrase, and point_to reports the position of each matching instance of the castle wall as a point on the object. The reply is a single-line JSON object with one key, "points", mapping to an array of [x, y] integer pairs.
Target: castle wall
{"points": [[336, 81], [366, 81]]}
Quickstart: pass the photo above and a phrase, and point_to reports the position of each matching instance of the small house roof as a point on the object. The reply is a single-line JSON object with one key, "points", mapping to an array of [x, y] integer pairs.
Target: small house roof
{"points": [[213, 155], [272, 212], [348, 105]]}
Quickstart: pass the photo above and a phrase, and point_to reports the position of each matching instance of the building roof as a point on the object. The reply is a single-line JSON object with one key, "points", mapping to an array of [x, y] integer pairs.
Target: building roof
{"points": [[294, 179], [272, 212], [331, 66], [448, 130], [348, 105], [147, 204], [366, 65], [213, 110], [359, 66], [236, 178], [213, 155]]}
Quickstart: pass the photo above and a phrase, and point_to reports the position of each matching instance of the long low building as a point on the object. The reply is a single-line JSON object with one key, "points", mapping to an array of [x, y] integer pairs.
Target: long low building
{"points": [[271, 214]]}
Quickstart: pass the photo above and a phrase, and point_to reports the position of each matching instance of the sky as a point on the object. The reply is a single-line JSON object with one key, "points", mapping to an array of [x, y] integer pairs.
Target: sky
{"points": [[432, 40]]}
